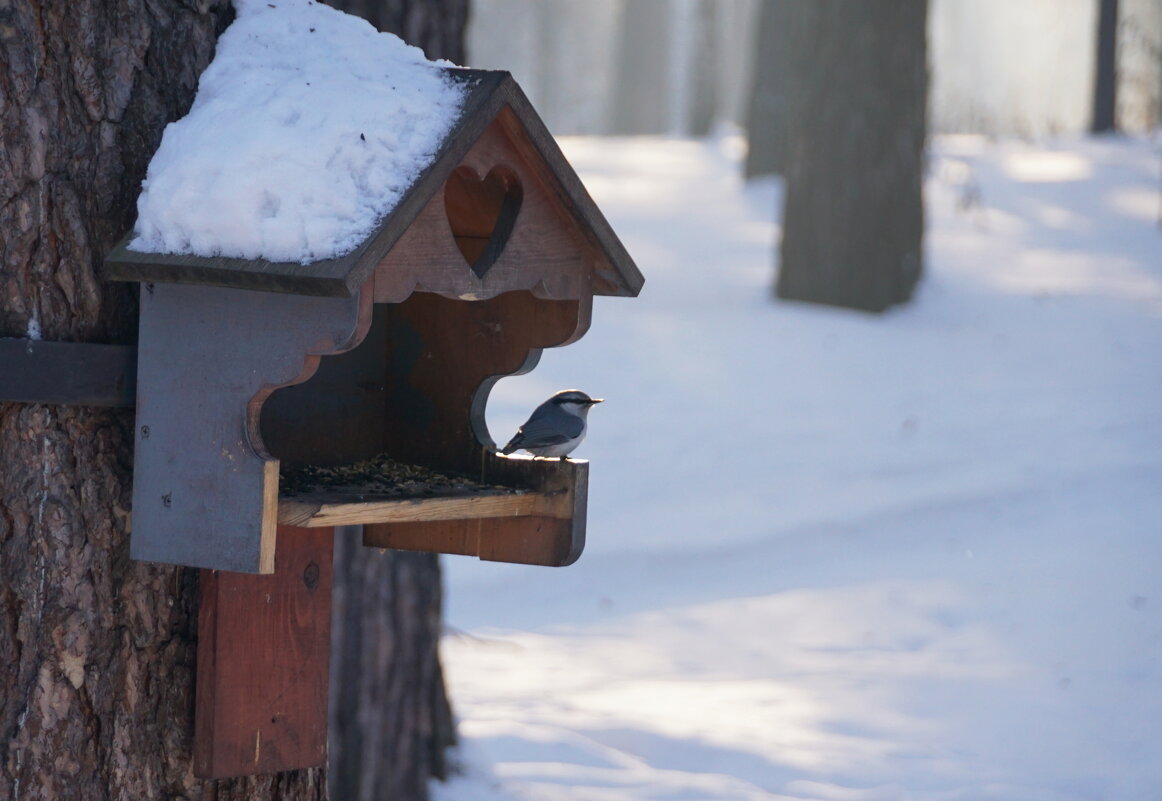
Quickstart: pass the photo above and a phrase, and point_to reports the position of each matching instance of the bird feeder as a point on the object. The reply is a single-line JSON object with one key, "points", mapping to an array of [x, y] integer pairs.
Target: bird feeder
{"points": [[253, 374]]}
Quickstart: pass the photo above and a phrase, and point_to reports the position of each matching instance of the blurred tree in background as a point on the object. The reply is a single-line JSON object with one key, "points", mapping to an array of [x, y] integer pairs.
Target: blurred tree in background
{"points": [[635, 105], [1105, 83], [767, 110], [856, 88]]}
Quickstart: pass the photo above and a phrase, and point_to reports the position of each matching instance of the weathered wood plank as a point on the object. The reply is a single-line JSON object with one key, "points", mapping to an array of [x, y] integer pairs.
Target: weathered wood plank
{"points": [[552, 539], [263, 654], [71, 373], [303, 511], [545, 541], [327, 278], [204, 488]]}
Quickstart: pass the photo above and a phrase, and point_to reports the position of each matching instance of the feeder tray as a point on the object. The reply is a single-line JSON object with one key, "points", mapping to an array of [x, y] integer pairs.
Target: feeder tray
{"points": [[381, 490]]}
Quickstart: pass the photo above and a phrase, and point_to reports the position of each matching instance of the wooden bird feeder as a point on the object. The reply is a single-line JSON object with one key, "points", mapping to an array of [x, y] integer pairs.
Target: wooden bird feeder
{"points": [[251, 372]]}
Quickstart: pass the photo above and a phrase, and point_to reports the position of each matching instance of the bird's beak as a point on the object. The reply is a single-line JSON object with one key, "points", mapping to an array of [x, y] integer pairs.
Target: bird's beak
{"points": [[597, 400]]}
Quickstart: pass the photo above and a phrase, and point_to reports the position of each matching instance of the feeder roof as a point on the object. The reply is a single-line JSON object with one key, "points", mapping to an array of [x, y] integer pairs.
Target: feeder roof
{"points": [[313, 143]]}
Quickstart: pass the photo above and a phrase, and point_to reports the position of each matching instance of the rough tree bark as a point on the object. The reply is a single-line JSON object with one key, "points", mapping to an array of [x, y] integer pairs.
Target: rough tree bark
{"points": [[436, 26], [853, 216], [390, 720], [96, 651]]}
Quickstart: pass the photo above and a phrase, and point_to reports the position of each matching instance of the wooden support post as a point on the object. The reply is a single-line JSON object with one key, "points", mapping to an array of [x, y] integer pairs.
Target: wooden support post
{"points": [[264, 645]]}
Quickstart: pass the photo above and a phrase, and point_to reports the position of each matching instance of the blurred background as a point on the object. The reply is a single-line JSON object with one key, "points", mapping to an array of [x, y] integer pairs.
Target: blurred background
{"points": [[875, 504], [686, 67], [875, 500]]}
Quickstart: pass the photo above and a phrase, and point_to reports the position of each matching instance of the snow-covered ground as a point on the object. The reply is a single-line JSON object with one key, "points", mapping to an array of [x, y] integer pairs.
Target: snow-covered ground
{"points": [[838, 556]]}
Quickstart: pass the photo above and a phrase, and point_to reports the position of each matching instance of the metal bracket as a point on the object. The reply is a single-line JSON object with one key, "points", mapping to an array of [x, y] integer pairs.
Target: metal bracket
{"points": [[72, 373]]}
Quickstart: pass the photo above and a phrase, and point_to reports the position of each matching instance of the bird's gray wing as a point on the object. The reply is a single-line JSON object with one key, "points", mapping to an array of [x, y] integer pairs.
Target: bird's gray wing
{"points": [[548, 430]]}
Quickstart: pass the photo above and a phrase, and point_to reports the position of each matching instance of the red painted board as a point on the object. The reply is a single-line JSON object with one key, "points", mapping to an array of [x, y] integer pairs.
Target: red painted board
{"points": [[264, 647]]}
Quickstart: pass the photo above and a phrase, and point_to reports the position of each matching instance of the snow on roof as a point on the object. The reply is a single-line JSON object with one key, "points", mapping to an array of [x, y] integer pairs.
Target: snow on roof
{"points": [[307, 129]]}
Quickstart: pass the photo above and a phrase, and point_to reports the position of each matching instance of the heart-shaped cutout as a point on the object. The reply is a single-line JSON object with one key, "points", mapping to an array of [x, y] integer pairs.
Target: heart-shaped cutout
{"points": [[481, 212]]}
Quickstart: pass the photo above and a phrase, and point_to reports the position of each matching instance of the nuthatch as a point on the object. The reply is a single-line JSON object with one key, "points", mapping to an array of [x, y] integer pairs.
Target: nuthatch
{"points": [[556, 427]]}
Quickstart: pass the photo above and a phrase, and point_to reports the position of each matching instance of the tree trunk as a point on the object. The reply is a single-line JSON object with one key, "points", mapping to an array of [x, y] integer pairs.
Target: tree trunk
{"points": [[390, 721], [642, 77], [767, 114], [853, 213], [96, 651], [702, 70], [436, 26], [1105, 79]]}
